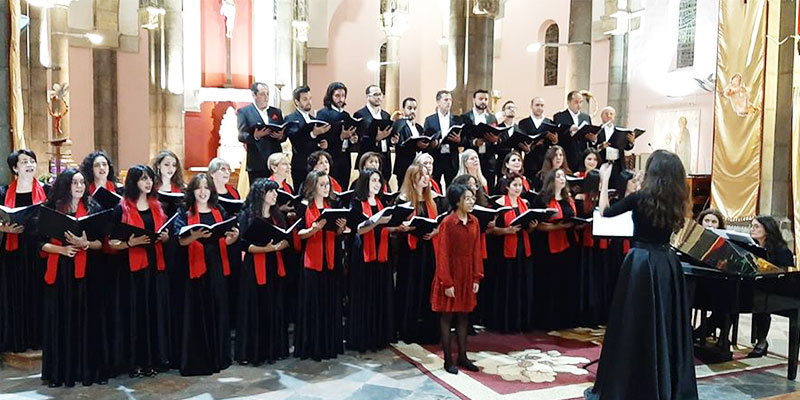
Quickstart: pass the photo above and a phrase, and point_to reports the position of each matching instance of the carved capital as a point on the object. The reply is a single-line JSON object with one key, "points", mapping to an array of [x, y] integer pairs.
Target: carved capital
{"points": [[488, 8], [300, 29], [394, 17]]}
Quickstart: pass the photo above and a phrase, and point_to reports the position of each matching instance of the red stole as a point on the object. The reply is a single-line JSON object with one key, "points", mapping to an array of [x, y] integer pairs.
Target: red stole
{"points": [[37, 196], [314, 244], [335, 185], [557, 239], [435, 187], [260, 265], [232, 192], [80, 256], [432, 213], [588, 238], [110, 186], [484, 252], [370, 253], [175, 188], [284, 185], [137, 256], [526, 185], [197, 255], [510, 241], [626, 246]]}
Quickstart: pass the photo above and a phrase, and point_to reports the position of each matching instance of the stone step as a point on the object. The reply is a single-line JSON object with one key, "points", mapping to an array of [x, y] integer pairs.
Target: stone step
{"points": [[30, 360]]}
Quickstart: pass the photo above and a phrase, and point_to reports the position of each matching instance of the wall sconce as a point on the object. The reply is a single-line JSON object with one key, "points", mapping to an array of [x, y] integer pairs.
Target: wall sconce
{"points": [[536, 46], [373, 65], [92, 37], [149, 16]]}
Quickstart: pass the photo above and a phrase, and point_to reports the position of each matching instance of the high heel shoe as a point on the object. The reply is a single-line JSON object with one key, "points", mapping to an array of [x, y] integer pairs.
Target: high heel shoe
{"points": [[449, 367], [759, 350]]}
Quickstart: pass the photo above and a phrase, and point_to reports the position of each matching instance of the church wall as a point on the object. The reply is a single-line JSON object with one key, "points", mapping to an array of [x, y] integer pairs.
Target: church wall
{"points": [[81, 95], [133, 105]]}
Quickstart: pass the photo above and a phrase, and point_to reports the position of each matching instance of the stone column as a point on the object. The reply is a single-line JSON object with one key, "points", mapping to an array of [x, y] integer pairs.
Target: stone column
{"points": [[457, 50], [480, 47], [106, 129], [35, 79], [59, 45], [5, 125], [618, 77], [300, 28], [394, 22], [579, 57], [165, 28]]}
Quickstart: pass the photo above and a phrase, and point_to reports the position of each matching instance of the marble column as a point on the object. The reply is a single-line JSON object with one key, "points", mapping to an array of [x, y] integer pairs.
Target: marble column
{"points": [[456, 52], [5, 125], [579, 57], [35, 79], [394, 22], [618, 77], [480, 47], [300, 28], [59, 45]]}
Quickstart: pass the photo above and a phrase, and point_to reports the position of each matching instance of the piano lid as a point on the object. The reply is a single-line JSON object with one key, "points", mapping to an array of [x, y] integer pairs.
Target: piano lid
{"points": [[708, 250]]}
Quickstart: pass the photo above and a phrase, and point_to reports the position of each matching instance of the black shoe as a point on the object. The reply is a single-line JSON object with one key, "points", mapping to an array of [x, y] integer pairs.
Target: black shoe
{"points": [[759, 350], [135, 373], [53, 385], [468, 365], [150, 372], [69, 385], [451, 368]]}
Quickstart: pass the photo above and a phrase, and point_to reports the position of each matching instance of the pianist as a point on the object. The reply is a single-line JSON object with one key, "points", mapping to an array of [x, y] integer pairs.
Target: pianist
{"points": [[765, 231]]}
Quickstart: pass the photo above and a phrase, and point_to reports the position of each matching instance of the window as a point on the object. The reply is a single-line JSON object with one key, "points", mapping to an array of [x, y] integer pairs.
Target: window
{"points": [[551, 56], [382, 79], [687, 18]]}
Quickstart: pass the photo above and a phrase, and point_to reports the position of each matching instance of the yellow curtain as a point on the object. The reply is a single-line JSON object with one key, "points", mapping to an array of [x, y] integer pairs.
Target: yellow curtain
{"points": [[15, 109], [735, 174], [796, 165]]}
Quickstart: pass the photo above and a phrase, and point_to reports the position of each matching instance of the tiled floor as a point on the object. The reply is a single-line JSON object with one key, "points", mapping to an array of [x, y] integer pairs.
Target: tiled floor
{"points": [[381, 375]]}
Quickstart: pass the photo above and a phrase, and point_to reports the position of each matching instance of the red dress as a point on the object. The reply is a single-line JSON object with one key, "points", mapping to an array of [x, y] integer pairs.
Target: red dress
{"points": [[458, 264]]}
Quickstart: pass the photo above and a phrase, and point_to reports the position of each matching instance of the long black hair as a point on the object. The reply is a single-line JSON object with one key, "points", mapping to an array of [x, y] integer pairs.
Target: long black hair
{"points": [[327, 101], [87, 167], [549, 187], [135, 173], [13, 158], [255, 198], [362, 184], [664, 196], [774, 239], [60, 195], [194, 184]]}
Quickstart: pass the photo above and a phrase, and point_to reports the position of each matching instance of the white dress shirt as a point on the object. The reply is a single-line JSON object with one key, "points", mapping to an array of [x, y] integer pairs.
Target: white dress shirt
{"points": [[444, 125], [376, 114], [479, 118]]}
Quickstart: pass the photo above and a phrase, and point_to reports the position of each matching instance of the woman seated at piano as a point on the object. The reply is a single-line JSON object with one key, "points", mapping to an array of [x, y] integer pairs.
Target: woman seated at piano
{"points": [[765, 231]]}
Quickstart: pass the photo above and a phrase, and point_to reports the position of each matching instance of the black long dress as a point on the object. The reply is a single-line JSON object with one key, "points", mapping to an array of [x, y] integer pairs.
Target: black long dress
{"points": [[235, 262], [69, 354], [416, 322], [557, 277], [142, 327], [262, 333], [319, 333], [511, 286], [205, 338], [647, 350], [591, 269], [21, 273], [370, 316]]}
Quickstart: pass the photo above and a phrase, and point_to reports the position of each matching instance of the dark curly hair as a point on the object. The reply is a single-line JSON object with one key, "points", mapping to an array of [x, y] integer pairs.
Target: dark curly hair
{"points": [[60, 195], [774, 240], [13, 158], [549, 187], [314, 157], [664, 196], [135, 173], [87, 167], [255, 199], [362, 183]]}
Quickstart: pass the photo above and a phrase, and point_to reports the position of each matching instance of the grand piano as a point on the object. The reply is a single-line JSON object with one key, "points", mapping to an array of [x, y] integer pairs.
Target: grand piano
{"points": [[731, 277]]}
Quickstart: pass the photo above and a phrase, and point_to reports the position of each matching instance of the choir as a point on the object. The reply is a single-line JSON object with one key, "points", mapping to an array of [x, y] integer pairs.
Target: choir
{"points": [[312, 269]]}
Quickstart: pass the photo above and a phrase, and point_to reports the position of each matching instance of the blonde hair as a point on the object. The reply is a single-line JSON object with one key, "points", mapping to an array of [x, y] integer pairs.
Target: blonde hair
{"points": [[409, 192], [462, 166], [275, 159]]}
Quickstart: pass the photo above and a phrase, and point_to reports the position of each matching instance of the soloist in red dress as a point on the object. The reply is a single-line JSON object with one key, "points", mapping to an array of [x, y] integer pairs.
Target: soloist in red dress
{"points": [[458, 264]]}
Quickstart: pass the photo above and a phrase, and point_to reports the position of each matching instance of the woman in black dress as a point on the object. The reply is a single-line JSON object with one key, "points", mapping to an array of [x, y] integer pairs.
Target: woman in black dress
{"points": [[319, 332], [142, 331], [262, 333], [557, 265], [511, 285], [206, 338], [68, 334], [370, 316], [20, 269], [554, 158], [765, 231], [416, 322], [647, 351]]}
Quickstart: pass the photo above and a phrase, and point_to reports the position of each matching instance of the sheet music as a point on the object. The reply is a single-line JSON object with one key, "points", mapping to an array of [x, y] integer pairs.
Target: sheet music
{"points": [[619, 226]]}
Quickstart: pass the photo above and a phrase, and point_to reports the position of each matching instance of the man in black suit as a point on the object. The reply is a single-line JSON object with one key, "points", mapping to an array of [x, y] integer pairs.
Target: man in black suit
{"points": [[534, 154], [572, 117], [405, 129], [445, 155], [486, 150], [380, 141], [502, 149], [305, 138], [260, 143], [341, 139]]}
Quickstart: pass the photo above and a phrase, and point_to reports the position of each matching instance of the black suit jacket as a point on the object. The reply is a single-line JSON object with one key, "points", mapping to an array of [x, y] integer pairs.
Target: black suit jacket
{"points": [[571, 144], [368, 143], [300, 136], [404, 155], [341, 158], [257, 150], [469, 118], [533, 160], [432, 128]]}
